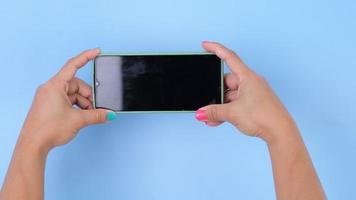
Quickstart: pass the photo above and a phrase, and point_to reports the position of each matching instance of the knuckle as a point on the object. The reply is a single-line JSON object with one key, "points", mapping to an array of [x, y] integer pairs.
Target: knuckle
{"points": [[85, 55], [212, 113], [231, 53], [260, 79], [71, 60], [220, 53], [56, 83], [43, 89], [98, 116], [85, 52], [253, 77]]}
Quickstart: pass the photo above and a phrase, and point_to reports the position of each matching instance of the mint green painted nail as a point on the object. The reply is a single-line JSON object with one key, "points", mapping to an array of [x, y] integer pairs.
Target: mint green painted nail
{"points": [[111, 116]]}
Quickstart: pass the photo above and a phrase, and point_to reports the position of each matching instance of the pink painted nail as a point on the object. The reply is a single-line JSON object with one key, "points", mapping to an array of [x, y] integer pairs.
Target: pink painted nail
{"points": [[201, 115]]}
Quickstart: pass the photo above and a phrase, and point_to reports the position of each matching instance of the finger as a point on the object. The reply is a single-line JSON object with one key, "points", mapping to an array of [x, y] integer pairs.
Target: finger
{"points": [[232, 60], [78, 86], [96, 116], [80, 101], [231, 81], [213, 124], [216, 112], [71, 67], [231, 96]]}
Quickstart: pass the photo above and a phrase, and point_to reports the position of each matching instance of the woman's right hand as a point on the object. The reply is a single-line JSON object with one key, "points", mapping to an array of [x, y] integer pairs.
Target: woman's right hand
{"points": [[250, 104]]}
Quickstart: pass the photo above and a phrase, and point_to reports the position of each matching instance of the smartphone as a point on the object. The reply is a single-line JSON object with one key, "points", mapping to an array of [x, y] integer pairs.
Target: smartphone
{"points": [[161, 82]]}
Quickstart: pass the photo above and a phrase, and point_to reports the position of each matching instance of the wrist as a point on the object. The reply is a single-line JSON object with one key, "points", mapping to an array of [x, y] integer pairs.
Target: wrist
{"points": [[284, 132], [29, 143]]}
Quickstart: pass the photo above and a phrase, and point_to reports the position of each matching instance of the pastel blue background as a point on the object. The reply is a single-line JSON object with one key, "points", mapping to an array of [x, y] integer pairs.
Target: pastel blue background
{"points": [[306, 50]]}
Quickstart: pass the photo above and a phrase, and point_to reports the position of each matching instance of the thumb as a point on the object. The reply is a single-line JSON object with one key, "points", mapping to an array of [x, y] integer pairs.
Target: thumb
{"points": [[97, 116], [216, 112]]}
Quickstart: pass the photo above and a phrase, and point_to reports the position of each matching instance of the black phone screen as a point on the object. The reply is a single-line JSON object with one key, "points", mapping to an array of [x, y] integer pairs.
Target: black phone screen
{"points": [[157, 82]]}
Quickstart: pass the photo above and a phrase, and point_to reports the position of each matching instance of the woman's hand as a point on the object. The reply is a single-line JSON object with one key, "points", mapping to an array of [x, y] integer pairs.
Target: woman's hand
{"points": [[250, 104], [252, 107], [52, 119]]}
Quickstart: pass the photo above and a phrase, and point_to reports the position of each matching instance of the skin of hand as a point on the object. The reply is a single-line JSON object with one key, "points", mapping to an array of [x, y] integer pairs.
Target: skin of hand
{"points": [[253, 108], [52, 121]]}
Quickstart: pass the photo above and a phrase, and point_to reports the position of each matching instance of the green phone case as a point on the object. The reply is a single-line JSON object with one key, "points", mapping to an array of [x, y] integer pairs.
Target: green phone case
{"points": [[164, 53]]}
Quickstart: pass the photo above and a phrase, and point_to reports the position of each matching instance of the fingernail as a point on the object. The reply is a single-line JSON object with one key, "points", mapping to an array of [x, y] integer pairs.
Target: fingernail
{"points": [[97, 49], [201, 115], [111, 116]]}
